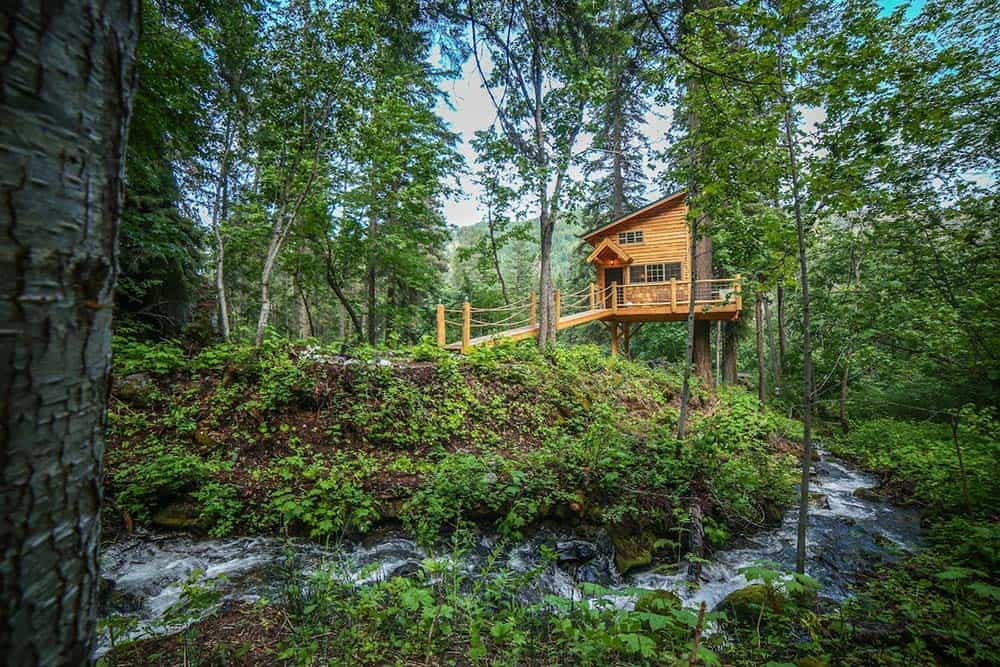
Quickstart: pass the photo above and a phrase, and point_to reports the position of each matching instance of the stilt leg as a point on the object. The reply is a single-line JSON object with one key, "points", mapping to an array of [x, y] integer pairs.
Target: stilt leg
{"points": [[614, 339]]}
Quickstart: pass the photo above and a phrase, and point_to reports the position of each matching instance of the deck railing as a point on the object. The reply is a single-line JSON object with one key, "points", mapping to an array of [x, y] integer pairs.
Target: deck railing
{"points": [[476, 322], [709, 293]]}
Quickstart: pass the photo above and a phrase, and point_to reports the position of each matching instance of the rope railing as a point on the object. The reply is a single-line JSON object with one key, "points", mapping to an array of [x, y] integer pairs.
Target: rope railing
{"points": [[511, 319]]}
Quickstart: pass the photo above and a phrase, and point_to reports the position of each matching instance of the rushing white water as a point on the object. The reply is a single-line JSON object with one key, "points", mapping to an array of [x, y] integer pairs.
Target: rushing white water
{"points": [[847, 535]]}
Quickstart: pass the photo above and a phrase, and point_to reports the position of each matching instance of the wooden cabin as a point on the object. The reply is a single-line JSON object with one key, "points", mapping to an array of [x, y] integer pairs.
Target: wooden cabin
{"points": [[642, 274], [646, 255]]}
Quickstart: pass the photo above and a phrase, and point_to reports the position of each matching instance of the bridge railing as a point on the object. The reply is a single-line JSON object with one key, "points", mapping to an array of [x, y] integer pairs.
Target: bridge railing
{"points": [[476, 322]]}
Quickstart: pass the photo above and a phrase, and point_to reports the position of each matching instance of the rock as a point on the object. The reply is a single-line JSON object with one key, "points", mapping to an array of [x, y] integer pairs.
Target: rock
{"points": [[136, 389], [657, 602], [114, 601], [819, 500], [872, 495], [745, 604], [773, 512], [632, 551], [810, 662], [205, 438], [408, 569], [182, 515], [575, 551]]}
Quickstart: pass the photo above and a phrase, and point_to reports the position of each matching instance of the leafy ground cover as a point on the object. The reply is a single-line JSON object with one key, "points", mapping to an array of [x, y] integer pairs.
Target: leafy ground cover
{"points": [[306, 441]]}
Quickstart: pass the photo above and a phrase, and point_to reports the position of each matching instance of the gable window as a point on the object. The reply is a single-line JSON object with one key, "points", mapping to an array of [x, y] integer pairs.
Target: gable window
{"points": [[654, 273], [627, 238]]}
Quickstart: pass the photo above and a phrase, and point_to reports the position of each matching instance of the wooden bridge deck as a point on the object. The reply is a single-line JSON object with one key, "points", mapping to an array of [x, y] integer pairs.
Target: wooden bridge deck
{"points": [[531, 331]]}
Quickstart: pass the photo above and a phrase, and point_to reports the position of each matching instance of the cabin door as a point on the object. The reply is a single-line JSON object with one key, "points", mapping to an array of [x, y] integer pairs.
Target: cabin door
{"points": [[613, 276]]}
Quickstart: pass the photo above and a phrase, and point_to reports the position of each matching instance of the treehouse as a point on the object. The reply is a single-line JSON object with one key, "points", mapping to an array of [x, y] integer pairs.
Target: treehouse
{"points": [[642, 274]]}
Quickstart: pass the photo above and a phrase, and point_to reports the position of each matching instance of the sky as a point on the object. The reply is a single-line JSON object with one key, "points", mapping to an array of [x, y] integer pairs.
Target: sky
{"points": [[468, 109]]}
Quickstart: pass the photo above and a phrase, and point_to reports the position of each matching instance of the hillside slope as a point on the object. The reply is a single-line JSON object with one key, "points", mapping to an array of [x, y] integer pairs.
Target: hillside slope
{"points": [[296, 440]]}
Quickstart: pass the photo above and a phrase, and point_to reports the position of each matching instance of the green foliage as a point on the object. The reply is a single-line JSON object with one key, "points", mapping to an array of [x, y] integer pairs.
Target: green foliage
{"points": [[919, 459], [135, 356], [444, 611], [162, 476], [324, 496], [221, 509]]}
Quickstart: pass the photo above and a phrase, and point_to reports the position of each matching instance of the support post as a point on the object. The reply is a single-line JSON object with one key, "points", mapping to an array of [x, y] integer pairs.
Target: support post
{"points": [[627, 339], [614, 304], [739, 292], [533, 310], [614, 339], [673, 295], [440, 325], [466, 326], [558, 299]]}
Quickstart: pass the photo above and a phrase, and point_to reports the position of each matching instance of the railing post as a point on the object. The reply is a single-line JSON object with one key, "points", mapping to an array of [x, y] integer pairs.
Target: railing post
{"points": [[673, 295], [440, 325], [533, 310], [739, 292], [593, 296], [614, 296], [558, 299], [466, 326]]}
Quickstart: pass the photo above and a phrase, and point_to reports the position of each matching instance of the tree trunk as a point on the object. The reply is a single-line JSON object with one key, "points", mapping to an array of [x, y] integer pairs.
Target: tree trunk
{"points": [[495, 251], [758, 313], [219, 206], [689, 348], [370, 277], [703, 328], [782, 333], [842, 412], [67, 77], [273, 248], [220, 284], [771, 352], [807, 362], [730, 352], [546, 218]]}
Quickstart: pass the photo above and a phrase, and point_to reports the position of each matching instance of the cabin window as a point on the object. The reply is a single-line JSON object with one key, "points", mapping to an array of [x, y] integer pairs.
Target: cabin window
{"points": [[626, 238], [654, 273]]}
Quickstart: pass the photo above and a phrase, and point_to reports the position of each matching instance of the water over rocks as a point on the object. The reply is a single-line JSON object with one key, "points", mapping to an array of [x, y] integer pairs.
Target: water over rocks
{"points": [[849, 534]]}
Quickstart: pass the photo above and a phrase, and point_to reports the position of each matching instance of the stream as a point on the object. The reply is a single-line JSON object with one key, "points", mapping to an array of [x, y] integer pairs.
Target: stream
{"points": [[847, 536]]}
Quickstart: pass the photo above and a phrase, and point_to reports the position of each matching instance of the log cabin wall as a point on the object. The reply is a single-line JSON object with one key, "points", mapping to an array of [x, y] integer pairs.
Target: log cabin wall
{"points": [[666, 239]]}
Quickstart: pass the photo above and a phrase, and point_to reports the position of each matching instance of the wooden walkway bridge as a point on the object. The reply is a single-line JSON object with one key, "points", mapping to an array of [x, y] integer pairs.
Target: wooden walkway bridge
{"points": [[618, 306]]}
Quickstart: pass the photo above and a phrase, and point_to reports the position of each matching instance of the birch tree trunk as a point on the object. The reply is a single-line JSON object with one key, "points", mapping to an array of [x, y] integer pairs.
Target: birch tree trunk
{"points": [[66, 82], [273, 248]]}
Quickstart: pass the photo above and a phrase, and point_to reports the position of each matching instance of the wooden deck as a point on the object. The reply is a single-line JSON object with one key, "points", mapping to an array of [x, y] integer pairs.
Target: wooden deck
{"points": [[716, 299]]}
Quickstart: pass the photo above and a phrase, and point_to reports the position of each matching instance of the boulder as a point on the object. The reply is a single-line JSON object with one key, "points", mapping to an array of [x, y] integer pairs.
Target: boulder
{"points": [[575, 551], [136, 389], [181, 515], [869, 494], [633, 550], [819, 500], [745, 604], [657, 602], [809, 661]]}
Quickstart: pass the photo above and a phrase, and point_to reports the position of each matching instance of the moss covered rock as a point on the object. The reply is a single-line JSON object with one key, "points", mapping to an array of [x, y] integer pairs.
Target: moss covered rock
{"points": [[810, 662], [657, 602], [633, 550], [745, 604], [181, 515]]}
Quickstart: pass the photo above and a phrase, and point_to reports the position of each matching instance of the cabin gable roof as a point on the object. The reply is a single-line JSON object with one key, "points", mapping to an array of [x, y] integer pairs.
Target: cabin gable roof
{"points": [[609, 249], [665, 202]]}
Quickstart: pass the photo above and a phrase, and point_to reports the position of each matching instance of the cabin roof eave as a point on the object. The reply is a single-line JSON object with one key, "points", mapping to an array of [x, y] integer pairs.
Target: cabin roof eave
{"points": [[663, 201]]}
